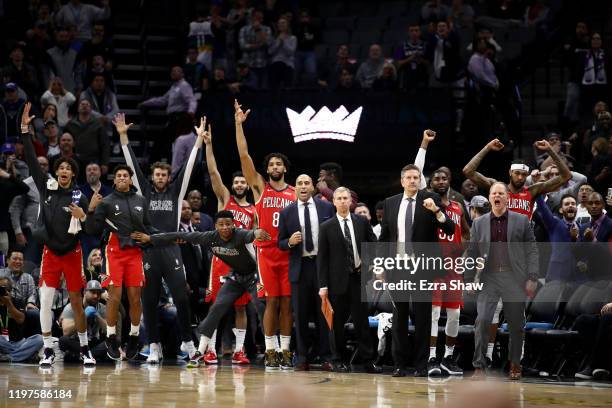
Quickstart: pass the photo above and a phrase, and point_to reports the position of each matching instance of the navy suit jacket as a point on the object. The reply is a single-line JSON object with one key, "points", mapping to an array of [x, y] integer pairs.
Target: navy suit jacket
{"points": [[289, 222]]}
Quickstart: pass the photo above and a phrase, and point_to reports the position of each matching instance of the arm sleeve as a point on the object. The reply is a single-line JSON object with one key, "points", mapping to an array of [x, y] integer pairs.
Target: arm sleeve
{"points": [[139, 179], [32, 162], [187, 91], [94, 223], [245, 236], [419, 161], [181, 183], [545, 214], [158, 101]]}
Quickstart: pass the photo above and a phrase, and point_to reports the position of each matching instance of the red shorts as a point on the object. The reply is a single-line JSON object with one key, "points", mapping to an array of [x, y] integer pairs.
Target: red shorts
{"points": [[71, 265], [449, 298], [219, 270], [273, 265], [123, 266]]}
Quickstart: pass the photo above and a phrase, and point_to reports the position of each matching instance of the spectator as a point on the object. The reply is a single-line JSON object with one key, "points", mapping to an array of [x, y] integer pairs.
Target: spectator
{"points": [[594, 71], [379, 212], [595, 332], [20, 72], [434, 10], [505, 10], [13, 106], [601, 128], [51, 143], [254, 40], [95, 312], [24, 211], [49, 113], [201, 36], [218, 82], [195, 261], [536, 15], [178, 100], [388, 79], [443, 54], [218, 25], [12, 165], [181, 149], [91, 142], [582, 212], [363, 210], [94, 265], [468, 191], [16, 346], [482, 70], [98, 67], [461, 14], [346, 81], [486, 34], [600, 173], [59, 97], [38, 41], [245, 80], [66, 145], [102, 100], [371, 68], [63, 60], [282, 56], [411, 62], [330, 178], [599, 228], [25, 292], [329, 73], [39, 149], [82, 16], [93, 183], [579, 43], [11, 187], [200, 219], [97, 45], [195, 71], [543, 160], [305, 59]]}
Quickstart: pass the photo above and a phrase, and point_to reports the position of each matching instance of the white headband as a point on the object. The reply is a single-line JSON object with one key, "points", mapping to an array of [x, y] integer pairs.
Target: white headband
{"points": [[519, 166]]}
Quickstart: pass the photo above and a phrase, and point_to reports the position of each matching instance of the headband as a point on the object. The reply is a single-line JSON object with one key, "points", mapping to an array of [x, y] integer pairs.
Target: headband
{"points": [[519, 166]]}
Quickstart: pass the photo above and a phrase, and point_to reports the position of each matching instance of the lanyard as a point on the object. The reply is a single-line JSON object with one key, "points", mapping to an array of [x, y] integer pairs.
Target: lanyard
{"points": [[4, 323]]}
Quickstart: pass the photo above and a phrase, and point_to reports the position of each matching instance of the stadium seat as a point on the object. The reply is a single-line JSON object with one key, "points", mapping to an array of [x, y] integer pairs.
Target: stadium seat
{"points": [[340, 23], [392, 8], [365, 37], [371, 23], [335, 37]]}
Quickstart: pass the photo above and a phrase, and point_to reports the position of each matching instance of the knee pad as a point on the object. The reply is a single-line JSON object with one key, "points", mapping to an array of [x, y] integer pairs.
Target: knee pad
{"points": [[46, 304], [452, 322], [498, 310], [435, 316]]}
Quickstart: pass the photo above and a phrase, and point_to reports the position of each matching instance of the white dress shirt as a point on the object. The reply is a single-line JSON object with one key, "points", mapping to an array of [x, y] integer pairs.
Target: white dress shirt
{"points": [[350, 225], [401, 220], [314, 226]]}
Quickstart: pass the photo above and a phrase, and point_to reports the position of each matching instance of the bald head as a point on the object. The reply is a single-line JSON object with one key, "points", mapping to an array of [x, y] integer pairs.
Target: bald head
{"points": [[304, 187]]}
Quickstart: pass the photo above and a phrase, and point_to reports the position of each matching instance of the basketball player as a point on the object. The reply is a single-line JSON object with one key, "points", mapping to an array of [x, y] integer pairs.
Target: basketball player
{"points": [[59, 201], [449, 299], [123, 211], [164, 197], [244, 214], [520, 197], [270, 198], [233, 246]]}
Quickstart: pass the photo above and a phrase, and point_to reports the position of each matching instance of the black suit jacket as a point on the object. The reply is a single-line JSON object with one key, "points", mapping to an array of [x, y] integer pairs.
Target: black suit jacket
{"points": [[289, 222], [424, 227], [332, 258]]}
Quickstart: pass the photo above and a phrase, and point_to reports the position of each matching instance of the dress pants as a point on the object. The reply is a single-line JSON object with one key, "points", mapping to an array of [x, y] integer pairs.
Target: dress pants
{"points": [[421, 312]]}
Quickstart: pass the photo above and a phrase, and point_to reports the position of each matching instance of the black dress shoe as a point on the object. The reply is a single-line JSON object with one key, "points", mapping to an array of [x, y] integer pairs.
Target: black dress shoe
{"points": [[398, 372], [340, 368], [421, 373], [326, 366], [372, 368], [302, 367]]}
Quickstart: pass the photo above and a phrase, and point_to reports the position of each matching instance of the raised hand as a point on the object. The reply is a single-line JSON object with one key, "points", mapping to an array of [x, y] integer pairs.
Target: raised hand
{"points": [[429, 135], [95, 200], [430, 205], [120, 125], [542, 145], [26, 119], [495, 145], [239, 115]]}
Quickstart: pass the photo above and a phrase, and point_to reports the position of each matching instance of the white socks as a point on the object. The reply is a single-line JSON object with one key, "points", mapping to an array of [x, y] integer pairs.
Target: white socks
{"points": [[285, 343], [240, 335], [134, 330], [212, 343], [490, 347], [432, 352], [83, 339], [111, 330], [271, 343], [448, 351], [48, 341]]}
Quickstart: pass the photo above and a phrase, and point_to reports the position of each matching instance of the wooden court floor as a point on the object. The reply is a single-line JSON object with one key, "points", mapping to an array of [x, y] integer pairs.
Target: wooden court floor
{"points": [[173, 386]]}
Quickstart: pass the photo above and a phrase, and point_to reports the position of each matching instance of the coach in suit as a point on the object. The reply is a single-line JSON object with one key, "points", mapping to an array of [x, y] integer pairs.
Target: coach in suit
{"points": [[298, 233], [339, 269], [412, 218], [510, 272]]}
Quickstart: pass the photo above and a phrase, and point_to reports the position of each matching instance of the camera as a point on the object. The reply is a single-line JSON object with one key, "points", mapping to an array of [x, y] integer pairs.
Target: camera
{"points": [[3, 291]]}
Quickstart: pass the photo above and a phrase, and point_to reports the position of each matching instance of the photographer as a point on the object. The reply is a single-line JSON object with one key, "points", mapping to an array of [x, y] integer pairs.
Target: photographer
{"points": [[12, 343]]}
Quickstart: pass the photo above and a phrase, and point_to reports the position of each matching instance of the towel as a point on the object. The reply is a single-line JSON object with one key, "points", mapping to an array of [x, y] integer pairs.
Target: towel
{"points": [[385, 322]]}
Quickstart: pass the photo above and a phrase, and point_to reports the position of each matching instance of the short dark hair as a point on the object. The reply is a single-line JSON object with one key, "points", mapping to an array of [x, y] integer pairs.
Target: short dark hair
{"points": [[98, 75], [380, 205], [161, 165], [11, 251], [409, 167], [71, 162], [333, 168], [568, 195], [123, 167], [281, 156], [518, 161], [482, 210], [224, 214], [360, 204], [237, 174]]}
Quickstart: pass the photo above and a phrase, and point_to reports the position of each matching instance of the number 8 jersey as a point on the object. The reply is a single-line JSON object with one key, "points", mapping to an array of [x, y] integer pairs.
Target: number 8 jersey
{"points": [[268, 209]]}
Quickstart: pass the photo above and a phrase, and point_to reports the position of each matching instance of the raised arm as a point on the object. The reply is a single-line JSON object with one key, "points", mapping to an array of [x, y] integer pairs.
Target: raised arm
{"points": [[254, 179], [554, 183], [469, 170], [419, 161], [181, 183], [30, 154], [139, 179], [221, 192]]}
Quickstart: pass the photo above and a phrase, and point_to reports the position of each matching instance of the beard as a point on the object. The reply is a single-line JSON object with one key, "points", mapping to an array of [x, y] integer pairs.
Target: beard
{"points": [[276, 177], [239, 195], [92, 180]]}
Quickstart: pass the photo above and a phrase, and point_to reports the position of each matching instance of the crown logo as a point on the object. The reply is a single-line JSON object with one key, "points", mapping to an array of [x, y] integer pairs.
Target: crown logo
{"points": [[324, 124]]}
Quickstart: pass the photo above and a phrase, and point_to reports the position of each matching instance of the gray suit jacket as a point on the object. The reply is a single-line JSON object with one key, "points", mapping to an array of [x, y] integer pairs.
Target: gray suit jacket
{"points": [[521, 245]]}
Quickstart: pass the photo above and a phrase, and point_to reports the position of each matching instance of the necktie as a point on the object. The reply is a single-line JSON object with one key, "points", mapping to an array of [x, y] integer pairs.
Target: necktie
{"points": [[349, 244], [408, 227], [308, 229]]}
